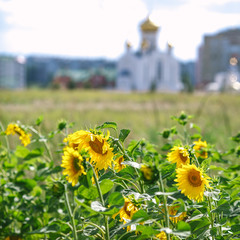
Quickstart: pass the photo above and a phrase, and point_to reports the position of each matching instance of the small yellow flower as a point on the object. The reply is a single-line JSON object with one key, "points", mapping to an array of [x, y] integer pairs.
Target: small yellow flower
{"points": [[126, 212], [147, 172], [96, 145], [173, 211], [72, 162], [162, 235], [179, 155], [192, 182], [200, 148], [16, 129], [118, 164]]}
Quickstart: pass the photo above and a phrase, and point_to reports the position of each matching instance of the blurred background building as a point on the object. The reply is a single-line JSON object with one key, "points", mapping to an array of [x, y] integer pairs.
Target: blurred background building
{"points": [[148, 68], [12, 72], [215, 53]]}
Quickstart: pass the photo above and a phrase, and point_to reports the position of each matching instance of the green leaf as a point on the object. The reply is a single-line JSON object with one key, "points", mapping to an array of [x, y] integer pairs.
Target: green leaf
{"points": [[88, 193], [166, 147], [34, 153], [123, 134], [27, 184], [183, 226], [235, 228], [133, 146], [147, 231], [21, 152], [116, 199], [236, 138], [140, 216], [196, 136], [108, 125], [200, 225], [39, 120], [193, 125], [132, 164], [182, 234], [167, 169], [223, 208], [106, 185], [98, 207], [86, 180]]}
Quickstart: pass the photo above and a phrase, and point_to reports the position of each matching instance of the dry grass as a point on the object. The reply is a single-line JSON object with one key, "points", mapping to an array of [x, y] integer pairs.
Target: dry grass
{"points": [[145, 114]]}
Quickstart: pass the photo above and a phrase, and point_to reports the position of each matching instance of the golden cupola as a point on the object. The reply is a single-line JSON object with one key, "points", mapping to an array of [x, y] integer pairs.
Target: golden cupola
{"points": [[149, 26]]}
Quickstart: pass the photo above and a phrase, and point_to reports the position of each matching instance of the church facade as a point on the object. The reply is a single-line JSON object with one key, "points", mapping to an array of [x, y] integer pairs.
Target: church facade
{"points": [[148, 68]]}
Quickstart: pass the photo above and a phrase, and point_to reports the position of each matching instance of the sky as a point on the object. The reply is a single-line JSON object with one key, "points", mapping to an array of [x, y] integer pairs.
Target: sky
{"points": [[100, 28]]}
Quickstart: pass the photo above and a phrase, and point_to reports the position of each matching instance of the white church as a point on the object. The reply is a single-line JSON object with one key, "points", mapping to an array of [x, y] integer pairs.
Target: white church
{"points": [[148, 68]]}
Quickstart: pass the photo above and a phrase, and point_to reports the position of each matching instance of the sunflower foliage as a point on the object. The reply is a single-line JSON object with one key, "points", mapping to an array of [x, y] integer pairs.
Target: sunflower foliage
{"points": [[97, 184]]}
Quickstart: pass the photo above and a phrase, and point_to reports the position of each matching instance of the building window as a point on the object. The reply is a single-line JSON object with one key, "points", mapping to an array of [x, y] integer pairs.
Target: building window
{"points": [[124, 73]]}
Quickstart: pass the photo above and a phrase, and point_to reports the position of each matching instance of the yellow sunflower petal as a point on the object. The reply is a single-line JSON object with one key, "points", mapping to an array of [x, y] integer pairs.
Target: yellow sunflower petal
{"points": [[192, 182]]}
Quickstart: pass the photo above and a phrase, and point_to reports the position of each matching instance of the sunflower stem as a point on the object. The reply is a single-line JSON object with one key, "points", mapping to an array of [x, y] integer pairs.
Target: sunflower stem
{"points": [[44, 142], [165, 205], [125, 179], [107, 236], [95, 225], [211, 215], [6, 139], [71, 216]]}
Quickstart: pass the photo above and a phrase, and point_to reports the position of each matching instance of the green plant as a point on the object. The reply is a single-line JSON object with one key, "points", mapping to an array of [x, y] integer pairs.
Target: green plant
{"points": [[107, 187]]}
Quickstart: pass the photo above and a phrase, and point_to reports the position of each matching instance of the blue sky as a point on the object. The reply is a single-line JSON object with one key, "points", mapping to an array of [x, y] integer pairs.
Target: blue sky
{"points": [[99, 28]]}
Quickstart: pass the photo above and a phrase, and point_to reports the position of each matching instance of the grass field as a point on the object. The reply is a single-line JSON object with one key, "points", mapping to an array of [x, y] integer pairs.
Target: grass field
{"points": [[145, 114]]}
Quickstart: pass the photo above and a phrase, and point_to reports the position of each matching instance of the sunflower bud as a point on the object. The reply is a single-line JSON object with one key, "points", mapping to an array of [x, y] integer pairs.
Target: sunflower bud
{"points": [[149, 173]]}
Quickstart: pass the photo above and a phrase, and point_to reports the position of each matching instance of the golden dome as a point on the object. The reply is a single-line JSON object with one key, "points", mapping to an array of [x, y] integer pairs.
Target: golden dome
{"points": [[149, 26]]}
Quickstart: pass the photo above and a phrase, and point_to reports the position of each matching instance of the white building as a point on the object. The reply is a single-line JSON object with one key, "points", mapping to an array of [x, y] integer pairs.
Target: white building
{"points": [[12, 72], [148, 68]]}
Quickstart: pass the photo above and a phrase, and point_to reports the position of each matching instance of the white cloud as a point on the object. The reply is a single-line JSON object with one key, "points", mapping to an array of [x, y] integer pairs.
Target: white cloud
{"points": [[100, 27]]}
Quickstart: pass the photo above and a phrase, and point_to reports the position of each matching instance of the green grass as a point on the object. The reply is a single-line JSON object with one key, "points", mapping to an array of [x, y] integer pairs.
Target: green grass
{"points": [[145, 114]]}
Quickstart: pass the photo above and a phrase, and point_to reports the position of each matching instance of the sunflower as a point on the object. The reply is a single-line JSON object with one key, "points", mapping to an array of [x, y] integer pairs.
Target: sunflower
{"points": [[72, 162], [16, 129], [96, 145], [162, 235], [200, 148], [173, 212], [126, 212], [118, 164], [179, 155], [191, 181]]}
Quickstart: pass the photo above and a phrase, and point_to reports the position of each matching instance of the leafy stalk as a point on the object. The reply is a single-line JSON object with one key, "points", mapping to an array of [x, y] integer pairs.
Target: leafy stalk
{"points": [[71, 216], [107, 236], [165, 205]]}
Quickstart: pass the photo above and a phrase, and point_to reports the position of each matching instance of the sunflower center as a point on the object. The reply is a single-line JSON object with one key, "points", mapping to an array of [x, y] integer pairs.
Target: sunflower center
{"points": [[76, 164], [96, 146], [183, 158], [194, 178], [202, 152], [125, 208]]}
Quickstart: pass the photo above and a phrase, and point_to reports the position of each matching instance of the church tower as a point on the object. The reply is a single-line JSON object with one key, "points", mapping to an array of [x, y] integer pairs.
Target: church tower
{"points": [[148, 69], [149, 32]]}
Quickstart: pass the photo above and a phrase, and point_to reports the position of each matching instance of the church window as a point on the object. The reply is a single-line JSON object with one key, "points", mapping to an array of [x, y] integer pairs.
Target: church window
{"points": [[124, 73]]}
